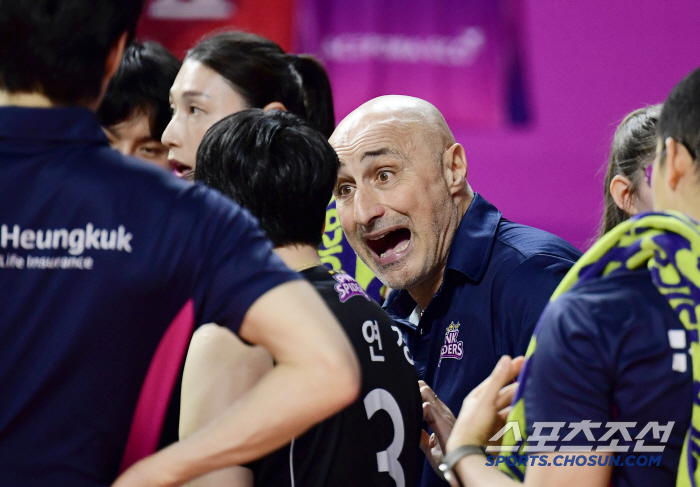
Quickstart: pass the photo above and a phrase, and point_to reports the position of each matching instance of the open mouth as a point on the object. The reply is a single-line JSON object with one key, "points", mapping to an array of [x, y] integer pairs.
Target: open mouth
{"points": [[181, 170], [389, 246]]}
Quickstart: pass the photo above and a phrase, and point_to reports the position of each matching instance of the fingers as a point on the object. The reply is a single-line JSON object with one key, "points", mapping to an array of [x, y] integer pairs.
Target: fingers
{"points": [[425, 442], [430, 399], [505, 395], [500, 376], [428, 413], [503, 414], [516, 365], [426, 393]]}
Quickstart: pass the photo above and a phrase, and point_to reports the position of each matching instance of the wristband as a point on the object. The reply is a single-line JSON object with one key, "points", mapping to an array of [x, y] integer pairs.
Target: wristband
{"points": [[451, 459]]}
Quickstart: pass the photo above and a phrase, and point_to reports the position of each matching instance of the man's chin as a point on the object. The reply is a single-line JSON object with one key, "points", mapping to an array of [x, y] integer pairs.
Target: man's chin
{"points": [[395, 275]]}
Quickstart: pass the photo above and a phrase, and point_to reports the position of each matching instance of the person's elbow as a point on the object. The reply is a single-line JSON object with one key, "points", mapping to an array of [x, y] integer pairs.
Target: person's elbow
{"points": [[342, 374]]}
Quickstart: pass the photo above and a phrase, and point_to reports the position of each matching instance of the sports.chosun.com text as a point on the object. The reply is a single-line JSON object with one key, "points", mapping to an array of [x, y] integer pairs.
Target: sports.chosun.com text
{"points": [[578, 460]]}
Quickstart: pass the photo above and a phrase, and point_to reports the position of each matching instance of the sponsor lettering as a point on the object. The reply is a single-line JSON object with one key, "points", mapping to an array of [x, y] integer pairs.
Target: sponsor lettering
{"points": [[76, 240]]}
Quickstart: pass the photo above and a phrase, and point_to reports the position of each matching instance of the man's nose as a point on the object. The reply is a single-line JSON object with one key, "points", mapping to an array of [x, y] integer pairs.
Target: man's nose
{"points": [[367, 206]]}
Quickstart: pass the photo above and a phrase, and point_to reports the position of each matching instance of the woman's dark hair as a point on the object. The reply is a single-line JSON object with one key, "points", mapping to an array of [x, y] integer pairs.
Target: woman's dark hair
{"points": [[261, 72], [59, 47], [680, 117], [634, 144], [275, 165], [141, 84]]}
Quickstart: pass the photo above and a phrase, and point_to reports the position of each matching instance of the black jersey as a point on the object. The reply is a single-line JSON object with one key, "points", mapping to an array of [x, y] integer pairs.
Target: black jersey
{"points": [[373, 442]]}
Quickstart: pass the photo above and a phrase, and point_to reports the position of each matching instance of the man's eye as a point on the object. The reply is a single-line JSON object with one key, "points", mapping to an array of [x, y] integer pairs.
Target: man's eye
{"points": [[384, 176], [152, 151], [344, 190]]}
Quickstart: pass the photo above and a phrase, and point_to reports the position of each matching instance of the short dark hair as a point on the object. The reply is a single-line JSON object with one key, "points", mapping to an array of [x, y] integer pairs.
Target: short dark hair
{"points": [[275, 165], [141, 84], [680, 116], [261, 72], [634, 145], [59, 47]]}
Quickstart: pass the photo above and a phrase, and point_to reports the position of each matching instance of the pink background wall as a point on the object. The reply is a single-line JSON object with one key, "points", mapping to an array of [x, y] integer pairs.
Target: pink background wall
{"points": [[588, 63]]}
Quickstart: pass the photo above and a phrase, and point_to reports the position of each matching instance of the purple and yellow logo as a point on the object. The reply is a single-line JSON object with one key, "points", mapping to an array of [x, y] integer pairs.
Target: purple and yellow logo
{"points": [[452, 348], [348, 287]]}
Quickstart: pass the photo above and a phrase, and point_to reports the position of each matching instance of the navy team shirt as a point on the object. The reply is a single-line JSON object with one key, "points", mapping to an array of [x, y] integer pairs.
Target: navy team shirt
{"points": [[613, 350], [106, 265], [498, 279]]}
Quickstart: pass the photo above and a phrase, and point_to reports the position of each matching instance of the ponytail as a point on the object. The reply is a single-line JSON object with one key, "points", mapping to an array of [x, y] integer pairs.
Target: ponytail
{"points": [[633, 146], [260, 71], [316, 87]]}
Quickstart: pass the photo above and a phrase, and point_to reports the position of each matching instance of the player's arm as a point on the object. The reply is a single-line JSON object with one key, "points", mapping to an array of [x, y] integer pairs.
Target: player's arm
{"points": [[477, 422], [316, 375], [569, 376], [219, 369], [473, 472]]}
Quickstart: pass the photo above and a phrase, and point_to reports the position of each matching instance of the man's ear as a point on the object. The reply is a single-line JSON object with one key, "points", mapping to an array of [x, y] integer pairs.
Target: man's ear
{"points": [[620, 191], [454, 162], [114, 58], [275, 105], [678, 162]]}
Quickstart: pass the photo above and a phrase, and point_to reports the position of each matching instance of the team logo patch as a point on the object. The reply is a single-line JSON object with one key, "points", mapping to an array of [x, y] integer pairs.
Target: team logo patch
{"points": [[452, 348], [348, 287]]}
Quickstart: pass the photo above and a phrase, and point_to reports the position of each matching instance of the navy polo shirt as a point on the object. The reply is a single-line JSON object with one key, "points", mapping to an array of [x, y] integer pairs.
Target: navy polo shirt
{"points": [[498, 279], [106, 266], [612, 350]]}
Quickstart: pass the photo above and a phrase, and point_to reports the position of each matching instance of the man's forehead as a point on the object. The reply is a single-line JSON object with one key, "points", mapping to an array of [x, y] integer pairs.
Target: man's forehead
{"points": [[393, 120], [375, 131]]}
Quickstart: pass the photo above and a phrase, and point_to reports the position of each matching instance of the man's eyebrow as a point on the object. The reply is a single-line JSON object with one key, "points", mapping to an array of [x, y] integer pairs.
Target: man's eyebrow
{"points": [[384, 151]]}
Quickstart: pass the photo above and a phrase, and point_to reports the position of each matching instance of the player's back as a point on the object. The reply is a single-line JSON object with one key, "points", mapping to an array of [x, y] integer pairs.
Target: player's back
{"points": [[373, 442], [99, 256]]}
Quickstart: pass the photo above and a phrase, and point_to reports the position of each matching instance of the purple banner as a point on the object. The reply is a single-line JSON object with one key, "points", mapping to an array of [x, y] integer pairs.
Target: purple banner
{"points": [[461, 55]]}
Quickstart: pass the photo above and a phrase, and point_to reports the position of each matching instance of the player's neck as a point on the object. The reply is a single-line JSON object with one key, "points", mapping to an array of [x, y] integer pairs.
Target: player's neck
{"points": [[299, 257], [29, 100]]}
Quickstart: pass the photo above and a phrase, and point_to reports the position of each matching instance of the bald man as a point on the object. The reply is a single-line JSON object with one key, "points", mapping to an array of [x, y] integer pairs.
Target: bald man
{"points": [[469, 285]]}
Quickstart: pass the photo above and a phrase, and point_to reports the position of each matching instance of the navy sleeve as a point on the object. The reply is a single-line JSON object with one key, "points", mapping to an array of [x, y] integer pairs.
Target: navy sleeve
{"points": [[525, 293], [236, 263], [570, 376], [569, 368]]}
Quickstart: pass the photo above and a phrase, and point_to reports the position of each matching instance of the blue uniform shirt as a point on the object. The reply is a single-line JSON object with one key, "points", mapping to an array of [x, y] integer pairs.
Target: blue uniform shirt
{"points": [[99, 256], [498, 279], [613, 350]]}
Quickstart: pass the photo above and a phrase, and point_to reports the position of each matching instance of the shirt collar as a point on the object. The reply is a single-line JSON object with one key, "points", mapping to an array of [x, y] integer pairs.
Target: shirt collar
{"points": [[473, 241], [469, 254], [50, 124]]}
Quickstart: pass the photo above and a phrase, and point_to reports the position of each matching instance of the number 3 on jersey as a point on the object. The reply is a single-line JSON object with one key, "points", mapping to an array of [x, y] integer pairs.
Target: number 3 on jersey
{"points": [[388, 460]]}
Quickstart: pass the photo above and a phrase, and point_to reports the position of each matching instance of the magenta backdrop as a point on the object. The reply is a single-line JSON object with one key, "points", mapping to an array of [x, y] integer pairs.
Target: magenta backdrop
{"points": [[459, 54], [588, 63]]}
